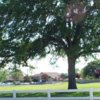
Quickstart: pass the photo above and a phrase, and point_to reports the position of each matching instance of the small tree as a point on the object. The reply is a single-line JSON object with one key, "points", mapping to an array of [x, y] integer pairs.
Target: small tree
{"points": [[15, 73], [3, 75], [27, 78], [64, 76]]}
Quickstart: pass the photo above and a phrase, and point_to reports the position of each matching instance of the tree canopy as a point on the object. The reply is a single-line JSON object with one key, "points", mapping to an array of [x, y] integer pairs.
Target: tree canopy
{"points": [[31, 28], [89, 70]]}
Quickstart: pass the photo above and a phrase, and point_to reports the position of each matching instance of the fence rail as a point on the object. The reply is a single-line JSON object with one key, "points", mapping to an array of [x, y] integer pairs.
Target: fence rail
{"points": [[14, 93]]}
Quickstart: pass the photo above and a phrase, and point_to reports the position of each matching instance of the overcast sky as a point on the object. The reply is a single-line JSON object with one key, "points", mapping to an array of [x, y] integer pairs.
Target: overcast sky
{"points": [[61, 66]]}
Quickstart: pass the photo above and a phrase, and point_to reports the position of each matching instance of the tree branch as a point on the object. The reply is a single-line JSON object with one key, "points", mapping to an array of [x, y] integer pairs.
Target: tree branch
{"points": [[91, 51], [77, 33], [56, 39], [95, 51]]}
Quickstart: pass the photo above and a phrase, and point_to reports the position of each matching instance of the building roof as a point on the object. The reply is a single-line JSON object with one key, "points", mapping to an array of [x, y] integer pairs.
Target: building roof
{"points": [[50, 74]]}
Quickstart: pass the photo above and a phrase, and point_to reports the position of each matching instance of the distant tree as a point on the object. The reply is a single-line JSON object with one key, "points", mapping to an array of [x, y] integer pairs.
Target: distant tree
{"points": [[16, 74], [30, 28], [3, 75], [89, 70], [27, 78], [64, 76]]}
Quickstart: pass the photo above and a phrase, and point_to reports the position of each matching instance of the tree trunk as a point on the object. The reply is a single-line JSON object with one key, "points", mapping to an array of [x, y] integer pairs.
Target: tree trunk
{"points": [[71, 73]]}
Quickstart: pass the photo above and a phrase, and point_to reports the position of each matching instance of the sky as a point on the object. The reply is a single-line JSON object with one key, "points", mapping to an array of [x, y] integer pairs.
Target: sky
{"points": [[61, 66]]}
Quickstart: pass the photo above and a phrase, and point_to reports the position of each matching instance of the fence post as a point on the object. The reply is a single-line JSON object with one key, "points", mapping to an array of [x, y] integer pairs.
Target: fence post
{"points": [[49, 94], [91, 94], [14, 95]]}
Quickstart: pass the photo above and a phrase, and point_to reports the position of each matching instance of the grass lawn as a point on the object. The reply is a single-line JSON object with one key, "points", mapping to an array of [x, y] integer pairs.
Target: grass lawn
{"points": [[61, 85], [35, 87], [88, 85], [57, 86]]}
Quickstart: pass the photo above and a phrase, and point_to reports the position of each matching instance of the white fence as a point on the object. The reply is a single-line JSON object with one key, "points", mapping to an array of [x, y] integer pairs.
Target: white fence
{"points": [[49, 97]]}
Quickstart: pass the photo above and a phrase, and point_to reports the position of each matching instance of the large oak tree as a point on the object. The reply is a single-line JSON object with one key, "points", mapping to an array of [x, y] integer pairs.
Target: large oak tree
{"points": [[30, 28]]}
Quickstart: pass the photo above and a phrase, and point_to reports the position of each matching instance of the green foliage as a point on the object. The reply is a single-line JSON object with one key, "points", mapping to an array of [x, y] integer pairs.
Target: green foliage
{"points": [[27, 79], [89, 70], [31, 28], [3, 75], [64, 76], [16, 74]]}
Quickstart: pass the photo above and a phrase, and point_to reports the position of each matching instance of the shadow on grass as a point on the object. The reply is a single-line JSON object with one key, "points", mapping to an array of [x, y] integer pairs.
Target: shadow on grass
{"points": [[60, 94], [73, 94]]}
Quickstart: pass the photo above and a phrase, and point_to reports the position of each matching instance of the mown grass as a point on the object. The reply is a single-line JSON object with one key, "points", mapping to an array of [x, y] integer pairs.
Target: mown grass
{"points": [[88, 85], [56, 86], [35, 87]]}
